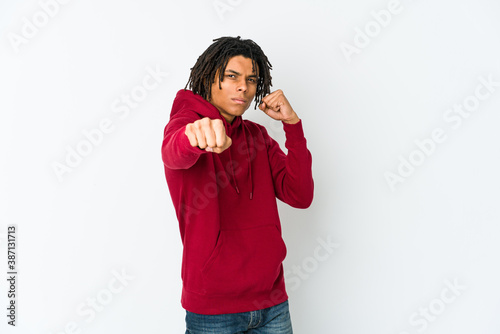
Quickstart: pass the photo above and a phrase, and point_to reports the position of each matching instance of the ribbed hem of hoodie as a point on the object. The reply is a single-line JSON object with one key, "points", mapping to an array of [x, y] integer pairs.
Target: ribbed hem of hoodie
{"points": [[209, 305]]}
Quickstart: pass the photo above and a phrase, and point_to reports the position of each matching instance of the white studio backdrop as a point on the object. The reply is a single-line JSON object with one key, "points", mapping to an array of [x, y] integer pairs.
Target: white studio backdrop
{"points": [[399, 101]]}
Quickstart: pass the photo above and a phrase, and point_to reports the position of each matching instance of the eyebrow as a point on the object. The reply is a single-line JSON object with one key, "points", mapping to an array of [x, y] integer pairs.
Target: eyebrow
{"points": [[238, 73]]}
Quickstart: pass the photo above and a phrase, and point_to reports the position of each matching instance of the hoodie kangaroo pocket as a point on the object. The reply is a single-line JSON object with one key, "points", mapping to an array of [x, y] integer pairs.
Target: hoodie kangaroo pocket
{"points": [[244, 261]]}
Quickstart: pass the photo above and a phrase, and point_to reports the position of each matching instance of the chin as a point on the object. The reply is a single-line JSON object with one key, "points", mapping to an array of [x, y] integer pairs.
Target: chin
{"points": [[238, 112]]}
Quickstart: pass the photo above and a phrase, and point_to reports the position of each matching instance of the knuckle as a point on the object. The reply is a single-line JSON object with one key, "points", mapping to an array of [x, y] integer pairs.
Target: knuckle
{"points": [[190, 130], [204, 122], [217, 123]]}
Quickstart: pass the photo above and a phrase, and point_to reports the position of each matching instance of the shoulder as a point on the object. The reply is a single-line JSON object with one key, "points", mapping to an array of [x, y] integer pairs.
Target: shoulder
{"points": [[254, 127], [259, 133]]}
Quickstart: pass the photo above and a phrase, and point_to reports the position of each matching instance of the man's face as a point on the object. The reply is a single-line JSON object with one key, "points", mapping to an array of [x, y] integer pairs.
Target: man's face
{"points": [[237, 88]]}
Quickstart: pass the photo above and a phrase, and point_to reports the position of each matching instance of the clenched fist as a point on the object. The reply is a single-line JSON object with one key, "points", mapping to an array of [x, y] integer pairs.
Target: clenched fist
{"points": [[276, 106], [208, 134]]}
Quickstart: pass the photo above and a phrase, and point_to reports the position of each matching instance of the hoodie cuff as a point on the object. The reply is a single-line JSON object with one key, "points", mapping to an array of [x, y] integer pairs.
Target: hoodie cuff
{"points": [[294, 134]]}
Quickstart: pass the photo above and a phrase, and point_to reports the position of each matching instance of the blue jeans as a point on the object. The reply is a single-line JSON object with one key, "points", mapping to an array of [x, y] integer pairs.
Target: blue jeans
{"points": [[271, 320]]}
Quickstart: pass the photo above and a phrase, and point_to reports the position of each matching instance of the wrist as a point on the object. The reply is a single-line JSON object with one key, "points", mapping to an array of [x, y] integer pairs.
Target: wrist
{"points": [[293, 120]]}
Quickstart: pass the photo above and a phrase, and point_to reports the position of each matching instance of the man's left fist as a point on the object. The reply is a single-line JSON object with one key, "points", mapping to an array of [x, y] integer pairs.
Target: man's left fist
{"points": [[276, 106]]}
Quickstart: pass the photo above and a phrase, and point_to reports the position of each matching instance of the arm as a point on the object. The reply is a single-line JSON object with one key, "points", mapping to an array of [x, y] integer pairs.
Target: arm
{"points": [[187, 137], [292, 173], [176, 151]]}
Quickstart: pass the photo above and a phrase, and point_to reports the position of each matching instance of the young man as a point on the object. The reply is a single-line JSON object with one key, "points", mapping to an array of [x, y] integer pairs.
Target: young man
{"points": [[224, 175]]}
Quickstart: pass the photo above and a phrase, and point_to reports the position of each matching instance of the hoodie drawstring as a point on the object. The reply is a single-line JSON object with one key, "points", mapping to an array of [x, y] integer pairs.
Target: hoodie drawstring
{"points": [[248, 157], [232, 173], [249, 160], [231, 157]]}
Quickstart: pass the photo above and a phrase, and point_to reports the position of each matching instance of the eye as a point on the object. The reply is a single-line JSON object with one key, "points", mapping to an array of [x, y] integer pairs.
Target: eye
{"points": [[252, 80]]}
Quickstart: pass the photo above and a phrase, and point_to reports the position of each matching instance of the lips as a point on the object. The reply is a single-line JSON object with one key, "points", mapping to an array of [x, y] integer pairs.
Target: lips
{"points": [[239, 101]]}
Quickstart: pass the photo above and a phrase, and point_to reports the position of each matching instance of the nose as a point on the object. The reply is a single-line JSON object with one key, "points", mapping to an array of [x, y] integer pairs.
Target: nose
{"points": [[242, 85]]}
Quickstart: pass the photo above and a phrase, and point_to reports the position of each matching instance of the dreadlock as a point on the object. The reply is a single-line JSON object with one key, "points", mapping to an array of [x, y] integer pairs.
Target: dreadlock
{"points": [[216, 57]]}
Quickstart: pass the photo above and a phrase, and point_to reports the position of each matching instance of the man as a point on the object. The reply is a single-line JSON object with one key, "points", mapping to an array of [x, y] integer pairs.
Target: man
{"points": [[224, 175]]}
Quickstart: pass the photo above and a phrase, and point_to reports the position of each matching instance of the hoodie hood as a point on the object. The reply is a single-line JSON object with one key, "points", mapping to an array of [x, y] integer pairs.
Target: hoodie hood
{"points": [[187, 100]]}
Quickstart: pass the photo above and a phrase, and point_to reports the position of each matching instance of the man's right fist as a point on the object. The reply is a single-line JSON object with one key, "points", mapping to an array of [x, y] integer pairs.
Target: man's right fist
{"points": [[208, 134]]}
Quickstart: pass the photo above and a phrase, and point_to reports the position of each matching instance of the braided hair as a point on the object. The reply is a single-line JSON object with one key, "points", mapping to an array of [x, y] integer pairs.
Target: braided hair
{"points": [[216, 57]]}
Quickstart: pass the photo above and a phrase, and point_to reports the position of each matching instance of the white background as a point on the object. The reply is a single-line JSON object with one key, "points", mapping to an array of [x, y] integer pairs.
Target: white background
{"points": [[362, 113]]}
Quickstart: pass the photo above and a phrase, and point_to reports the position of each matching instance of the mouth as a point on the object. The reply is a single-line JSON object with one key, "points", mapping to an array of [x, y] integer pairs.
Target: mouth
{"points": [[239, 101]]}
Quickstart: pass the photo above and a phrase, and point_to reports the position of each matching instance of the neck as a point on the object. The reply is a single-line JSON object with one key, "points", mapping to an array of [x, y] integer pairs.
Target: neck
{"points": [[228, 118]]}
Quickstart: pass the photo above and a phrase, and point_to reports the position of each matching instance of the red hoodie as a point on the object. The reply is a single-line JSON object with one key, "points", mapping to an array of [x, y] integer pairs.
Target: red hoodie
{"points": [[227, 210]]}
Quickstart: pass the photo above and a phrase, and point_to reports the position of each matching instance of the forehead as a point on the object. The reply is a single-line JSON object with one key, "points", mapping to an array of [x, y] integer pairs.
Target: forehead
{"points": [[242, 65]]}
